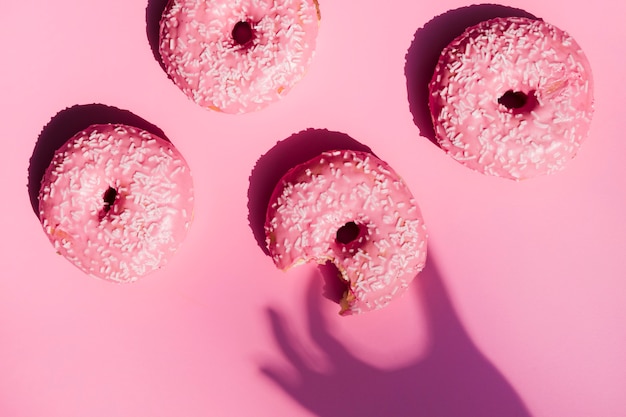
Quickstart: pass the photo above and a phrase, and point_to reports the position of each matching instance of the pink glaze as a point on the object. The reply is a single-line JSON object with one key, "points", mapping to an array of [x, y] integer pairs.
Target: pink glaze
{"points": [[515, 55], [116, 201], [314, 200], [203, 58]]}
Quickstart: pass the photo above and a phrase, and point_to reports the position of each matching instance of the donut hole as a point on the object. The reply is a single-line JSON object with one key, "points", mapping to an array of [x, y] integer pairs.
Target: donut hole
{"points": [[109, 197], [348, 233], [518, 101], [513, 99], [242, 33]]}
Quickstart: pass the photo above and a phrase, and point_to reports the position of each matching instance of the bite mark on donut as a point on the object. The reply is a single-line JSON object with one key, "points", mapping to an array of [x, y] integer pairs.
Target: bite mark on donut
{"points": [[344, 291], [336, 284]]}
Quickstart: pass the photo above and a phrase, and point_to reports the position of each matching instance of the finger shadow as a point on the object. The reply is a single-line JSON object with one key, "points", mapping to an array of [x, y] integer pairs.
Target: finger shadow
{"points": [[350, 388], [453, 379], [154, 11], [66, 124], [286, 154], [428, 43]]}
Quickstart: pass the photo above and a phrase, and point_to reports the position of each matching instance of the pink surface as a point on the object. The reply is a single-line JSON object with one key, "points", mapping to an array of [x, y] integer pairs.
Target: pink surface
{"points": [[520, 311]]}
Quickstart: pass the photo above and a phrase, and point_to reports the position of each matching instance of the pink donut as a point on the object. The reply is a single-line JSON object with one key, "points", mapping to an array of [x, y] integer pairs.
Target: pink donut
{"points": [[237, 56], [116, 201], [352, 209], [512, 97]]}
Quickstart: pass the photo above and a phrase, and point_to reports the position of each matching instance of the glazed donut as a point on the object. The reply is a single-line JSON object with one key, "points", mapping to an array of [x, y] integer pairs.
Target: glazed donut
{"points": [[512, 97], [237, 56], [352, 209], [116, 201]]}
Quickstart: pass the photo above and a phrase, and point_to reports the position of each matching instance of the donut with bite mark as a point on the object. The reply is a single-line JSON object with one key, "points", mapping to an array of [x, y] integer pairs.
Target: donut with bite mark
{"points": [[351, 209]]}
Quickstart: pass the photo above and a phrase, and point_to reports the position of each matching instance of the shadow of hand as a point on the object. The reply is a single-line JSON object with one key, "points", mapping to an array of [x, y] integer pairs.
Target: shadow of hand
{"points": [[453, 380], [341, 391]]}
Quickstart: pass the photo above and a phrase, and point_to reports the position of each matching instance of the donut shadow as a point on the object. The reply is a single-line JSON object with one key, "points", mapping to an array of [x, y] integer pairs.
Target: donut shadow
{"points": [[154, 11], [286, 154], [426, 47], [63, 126]]}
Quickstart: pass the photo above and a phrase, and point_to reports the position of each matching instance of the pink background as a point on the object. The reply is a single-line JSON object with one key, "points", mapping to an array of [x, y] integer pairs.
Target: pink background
{"points": [[520, 311]]}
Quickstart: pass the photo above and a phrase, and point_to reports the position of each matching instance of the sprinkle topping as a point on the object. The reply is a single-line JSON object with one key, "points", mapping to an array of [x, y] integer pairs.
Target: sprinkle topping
{"points": [[237, 56], [116, 201], [350, 208], [512, 97]]}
